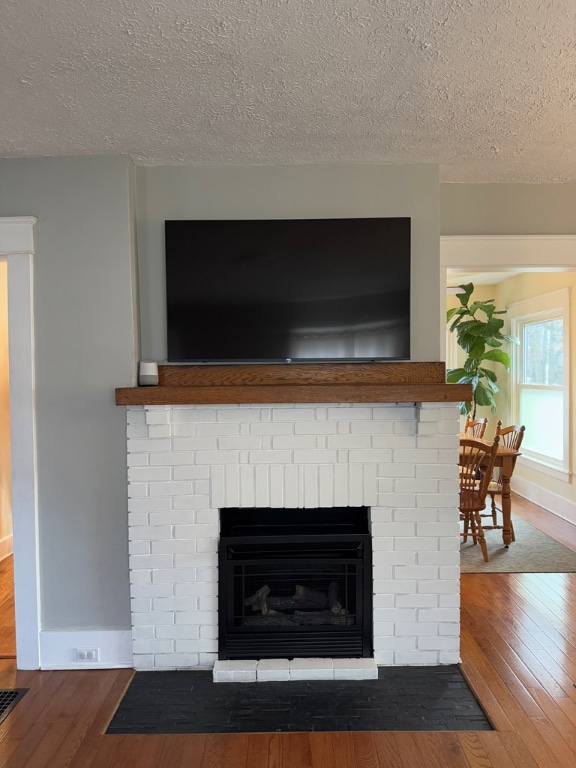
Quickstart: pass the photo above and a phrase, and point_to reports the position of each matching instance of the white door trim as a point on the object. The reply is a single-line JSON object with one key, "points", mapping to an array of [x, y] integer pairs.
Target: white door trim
{"points": [[17, 248], [493, 252]]}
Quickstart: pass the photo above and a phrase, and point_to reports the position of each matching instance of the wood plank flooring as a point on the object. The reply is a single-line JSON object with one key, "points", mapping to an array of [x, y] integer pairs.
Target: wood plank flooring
{"points": [[518, 652]]}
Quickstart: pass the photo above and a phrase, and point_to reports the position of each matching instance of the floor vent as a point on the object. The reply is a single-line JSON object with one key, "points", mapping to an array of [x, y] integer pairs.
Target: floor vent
{"points": [[9, 699]]}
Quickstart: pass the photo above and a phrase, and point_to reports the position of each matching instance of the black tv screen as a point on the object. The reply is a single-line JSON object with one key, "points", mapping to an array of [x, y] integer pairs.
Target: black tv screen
{"points": [[290, 290]]}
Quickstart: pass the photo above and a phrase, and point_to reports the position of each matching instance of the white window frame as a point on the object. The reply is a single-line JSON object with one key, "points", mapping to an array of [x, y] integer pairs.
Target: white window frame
{"points": [[541, 308], [451, 349]]}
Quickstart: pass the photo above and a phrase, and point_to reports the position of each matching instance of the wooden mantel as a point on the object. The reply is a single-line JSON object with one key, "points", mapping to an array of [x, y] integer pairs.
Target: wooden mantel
{"points": [[296, 383]]}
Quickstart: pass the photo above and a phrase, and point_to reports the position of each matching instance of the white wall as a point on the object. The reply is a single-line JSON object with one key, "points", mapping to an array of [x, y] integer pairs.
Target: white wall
{"points": [[291, 192], [85, 347]]}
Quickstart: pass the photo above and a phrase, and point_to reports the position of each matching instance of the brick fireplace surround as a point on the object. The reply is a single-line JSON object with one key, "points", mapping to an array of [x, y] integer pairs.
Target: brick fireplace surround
{"points": [[186, 462]]}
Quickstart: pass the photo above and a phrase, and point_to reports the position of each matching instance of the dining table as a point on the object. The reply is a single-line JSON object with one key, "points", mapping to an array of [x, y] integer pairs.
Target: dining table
{"points": [[506, 459]]}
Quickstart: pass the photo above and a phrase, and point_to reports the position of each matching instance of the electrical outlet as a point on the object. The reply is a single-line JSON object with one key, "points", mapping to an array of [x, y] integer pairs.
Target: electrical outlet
{"points": [[87, 654]]}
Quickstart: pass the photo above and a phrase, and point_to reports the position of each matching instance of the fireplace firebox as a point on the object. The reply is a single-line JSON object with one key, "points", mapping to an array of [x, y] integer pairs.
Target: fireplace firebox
{"points": [[295, 583]]}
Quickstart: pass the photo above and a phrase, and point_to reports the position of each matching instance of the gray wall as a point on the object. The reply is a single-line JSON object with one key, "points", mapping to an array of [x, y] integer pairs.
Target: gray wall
{"points": [[85, 347], [87, 339], [86, 334], [285, 192], [508, 209]]}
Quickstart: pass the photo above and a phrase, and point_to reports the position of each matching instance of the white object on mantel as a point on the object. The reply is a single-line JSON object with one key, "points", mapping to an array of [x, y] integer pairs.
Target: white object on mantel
{"points": [[268, 670]]}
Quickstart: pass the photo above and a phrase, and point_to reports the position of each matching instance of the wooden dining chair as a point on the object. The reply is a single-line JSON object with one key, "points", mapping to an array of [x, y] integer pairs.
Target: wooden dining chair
{"points": [[510, 437], [476, 463], [475, 427]]}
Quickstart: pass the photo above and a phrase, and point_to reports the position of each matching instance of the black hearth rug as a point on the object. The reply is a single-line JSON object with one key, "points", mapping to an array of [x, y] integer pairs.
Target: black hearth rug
{"points": [[401, 699]]}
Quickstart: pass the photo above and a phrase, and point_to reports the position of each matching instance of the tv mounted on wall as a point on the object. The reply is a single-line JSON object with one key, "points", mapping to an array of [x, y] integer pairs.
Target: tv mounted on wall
{"points": [[289, 290]]}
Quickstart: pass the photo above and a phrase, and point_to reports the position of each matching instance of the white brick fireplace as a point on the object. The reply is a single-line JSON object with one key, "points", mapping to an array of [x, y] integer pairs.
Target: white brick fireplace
{"points": [[187, 462]]}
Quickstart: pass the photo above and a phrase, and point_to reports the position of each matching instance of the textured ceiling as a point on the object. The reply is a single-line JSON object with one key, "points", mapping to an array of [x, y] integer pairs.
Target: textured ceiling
{"points": [[484, 88]]}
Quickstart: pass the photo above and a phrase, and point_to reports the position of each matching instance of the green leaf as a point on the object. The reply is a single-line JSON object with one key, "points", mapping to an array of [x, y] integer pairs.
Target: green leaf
{"points": [[459, 313], [459, 376], [511, 339], [465, 407], [466, 339], [498, 356], [485, 306], [485, 329], [471, 365], [494, 326], [455, 311], [466, 293], [472, 327], [483, 396], [475, 306], [492, 386], [489, 374], [475, 354], [463, 325]]}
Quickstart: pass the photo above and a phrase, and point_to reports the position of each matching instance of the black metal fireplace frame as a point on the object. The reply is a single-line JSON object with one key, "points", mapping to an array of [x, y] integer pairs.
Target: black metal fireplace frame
{"points": [[337, 538]]}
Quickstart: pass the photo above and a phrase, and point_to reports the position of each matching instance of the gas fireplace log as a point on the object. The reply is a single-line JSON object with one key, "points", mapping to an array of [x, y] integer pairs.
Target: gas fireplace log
{"points": [[303, 599], [309, 599], [323, 617], [258, 599]]}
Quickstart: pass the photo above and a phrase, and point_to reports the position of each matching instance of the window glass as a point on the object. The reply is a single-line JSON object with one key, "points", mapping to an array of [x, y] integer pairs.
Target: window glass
{"points": [[540, 382], [542, 413], [543, 344]]}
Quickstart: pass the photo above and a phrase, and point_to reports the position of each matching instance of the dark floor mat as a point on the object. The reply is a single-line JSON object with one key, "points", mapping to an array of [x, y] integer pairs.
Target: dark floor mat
{"points": [[401, 699], [8, 700]]}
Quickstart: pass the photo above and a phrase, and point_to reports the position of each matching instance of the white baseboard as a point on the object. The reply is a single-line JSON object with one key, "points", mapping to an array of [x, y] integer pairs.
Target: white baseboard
{"points": [[558, 505], [6, 547], [58, 650]]}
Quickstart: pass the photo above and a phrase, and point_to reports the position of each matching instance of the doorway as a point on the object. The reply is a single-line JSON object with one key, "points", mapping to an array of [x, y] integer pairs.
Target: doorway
{"points": [[509, 263], [7, 619], [17, 250]]}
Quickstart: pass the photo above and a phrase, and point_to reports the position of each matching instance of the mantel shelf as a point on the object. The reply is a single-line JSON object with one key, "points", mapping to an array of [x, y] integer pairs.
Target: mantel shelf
{"points": [[294, 383]]}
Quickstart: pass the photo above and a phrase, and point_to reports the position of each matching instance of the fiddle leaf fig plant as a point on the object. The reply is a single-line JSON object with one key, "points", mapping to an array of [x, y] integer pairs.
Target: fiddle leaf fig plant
{"points": [[478, 332]]}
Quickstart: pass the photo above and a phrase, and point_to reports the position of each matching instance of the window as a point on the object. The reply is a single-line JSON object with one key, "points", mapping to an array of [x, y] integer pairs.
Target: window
{"points": [[540, 379]]}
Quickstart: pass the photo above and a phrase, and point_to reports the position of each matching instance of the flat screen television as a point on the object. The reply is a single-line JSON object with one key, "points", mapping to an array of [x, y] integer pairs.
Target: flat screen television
{"points": [[289, 290]]}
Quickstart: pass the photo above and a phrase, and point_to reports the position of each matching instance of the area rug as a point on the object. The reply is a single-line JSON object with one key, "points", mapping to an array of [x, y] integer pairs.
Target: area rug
{"points": [[401, 699], [532, 552]]}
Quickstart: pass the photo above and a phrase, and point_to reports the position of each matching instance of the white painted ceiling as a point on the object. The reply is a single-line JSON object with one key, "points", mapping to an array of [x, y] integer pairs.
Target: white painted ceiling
{"points": [[484, 88]]}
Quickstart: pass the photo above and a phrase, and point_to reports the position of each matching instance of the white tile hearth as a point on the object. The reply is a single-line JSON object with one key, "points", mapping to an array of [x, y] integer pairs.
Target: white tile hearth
{"points": [[311, 669], [235, 671], [283, 670], [269, 670], [185, 463], [355, 669]]}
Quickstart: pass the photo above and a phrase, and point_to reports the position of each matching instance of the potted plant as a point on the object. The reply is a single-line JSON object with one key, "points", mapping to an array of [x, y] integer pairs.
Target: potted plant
{"points": [[479, 333]]}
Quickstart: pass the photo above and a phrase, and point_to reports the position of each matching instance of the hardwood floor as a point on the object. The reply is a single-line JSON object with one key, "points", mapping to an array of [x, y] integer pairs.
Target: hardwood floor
{"points": [[518, 652]]}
